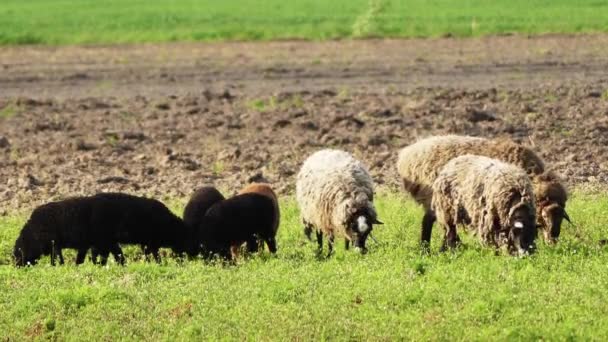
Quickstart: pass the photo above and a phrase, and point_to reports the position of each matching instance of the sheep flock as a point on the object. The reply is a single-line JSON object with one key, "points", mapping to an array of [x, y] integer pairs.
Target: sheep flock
{"points": [[502, 192]]}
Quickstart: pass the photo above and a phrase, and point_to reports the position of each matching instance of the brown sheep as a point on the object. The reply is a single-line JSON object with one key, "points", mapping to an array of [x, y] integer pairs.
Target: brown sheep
{"points": [[266, 190]]}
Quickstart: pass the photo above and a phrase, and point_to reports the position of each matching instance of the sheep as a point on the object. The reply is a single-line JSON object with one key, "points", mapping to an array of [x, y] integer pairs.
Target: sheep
{"points": [[335, 194], [266, 190], [419, 164], [100, 222], [52, 227], [239, 219], [494, 199], [199, 203], [144, 221]]}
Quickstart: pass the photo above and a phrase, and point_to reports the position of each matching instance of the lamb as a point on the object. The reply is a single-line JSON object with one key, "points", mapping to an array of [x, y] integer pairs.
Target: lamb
{"points": [[335, 194], [494, 199], [239, 219], [199, 203], [266, 190], [419, 164], [100, 222]]}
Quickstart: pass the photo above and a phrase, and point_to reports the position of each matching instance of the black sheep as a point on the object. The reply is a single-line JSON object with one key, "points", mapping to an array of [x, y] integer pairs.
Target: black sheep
{"points": [[53, 226], [234, 221], [101, 222], [143, 221], [199, 203]]}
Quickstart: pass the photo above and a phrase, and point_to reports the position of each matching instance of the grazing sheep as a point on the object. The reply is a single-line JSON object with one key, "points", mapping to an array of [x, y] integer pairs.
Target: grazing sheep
{"points": [[52, 227], [266, 190], [100, 222], [143, 221], [494, 199], [239, 219], [419, 164], [199, 203], [335, 194]]}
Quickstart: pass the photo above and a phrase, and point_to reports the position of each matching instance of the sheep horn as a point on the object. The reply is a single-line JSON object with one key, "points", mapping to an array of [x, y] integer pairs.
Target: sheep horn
{"points": [[376, 221], [567, 217]]}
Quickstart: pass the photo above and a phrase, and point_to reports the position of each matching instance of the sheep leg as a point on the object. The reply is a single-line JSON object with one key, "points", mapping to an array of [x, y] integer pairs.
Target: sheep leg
{"points": [[272, 245], [61, 261], [117, 253], [104, 258], [320, 240], [82, 253], [56, 253], [427, 228], [252, 245], [330, 245], [156, 255], [94, 255], [451, 239], [53, 252], [234, 251], [308, 231], [346, 244]]}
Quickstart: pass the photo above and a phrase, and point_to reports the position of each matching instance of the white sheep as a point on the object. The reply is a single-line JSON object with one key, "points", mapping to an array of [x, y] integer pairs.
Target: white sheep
{"points": [[335, 194], [494, 199]]}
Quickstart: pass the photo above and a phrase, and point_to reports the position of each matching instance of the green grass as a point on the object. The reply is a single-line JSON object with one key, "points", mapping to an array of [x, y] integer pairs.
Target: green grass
{"points": [[118, 21], [391, 293]]}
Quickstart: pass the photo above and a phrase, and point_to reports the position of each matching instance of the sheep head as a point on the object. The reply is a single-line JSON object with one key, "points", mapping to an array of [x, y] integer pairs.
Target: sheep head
{"points": [[521, 229], [551, 197], [360, 225], [23, 255]]}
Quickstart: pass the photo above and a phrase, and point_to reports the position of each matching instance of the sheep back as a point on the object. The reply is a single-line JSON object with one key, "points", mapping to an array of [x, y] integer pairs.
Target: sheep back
{"points": [[419, 164], [237, 220], [266, 190], [139, 220]]}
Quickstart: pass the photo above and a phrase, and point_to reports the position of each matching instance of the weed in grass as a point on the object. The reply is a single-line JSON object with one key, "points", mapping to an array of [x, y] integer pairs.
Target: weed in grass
{"points": [[112, 140], [8, 112], [365, 25], [257, 104], [344, 93], [218, 168], [127, 116], [272, 103]]}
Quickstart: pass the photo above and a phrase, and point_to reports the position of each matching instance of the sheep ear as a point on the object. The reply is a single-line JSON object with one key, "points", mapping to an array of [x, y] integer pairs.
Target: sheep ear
{"points": [[376, 221]]}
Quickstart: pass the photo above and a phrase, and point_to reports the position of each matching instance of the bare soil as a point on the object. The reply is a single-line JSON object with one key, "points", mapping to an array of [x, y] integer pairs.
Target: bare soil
{"points": [[161, 120]]}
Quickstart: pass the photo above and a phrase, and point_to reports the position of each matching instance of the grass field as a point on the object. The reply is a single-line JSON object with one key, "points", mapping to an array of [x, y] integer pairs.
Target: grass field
{"points": [[117, 21], [393, 292]]}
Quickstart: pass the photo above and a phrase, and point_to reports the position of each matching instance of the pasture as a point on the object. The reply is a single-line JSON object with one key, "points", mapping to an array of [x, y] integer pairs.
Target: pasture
{"points": [[393, 292], [157, 98], [114, 21]]}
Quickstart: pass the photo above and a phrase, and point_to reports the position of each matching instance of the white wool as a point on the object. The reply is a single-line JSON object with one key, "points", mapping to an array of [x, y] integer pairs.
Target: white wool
{"points": [[331, 187]]}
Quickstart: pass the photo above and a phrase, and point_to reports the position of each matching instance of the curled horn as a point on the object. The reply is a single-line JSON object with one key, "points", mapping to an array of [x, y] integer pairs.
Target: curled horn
{"points": [[567, 217], [376, 221]]}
